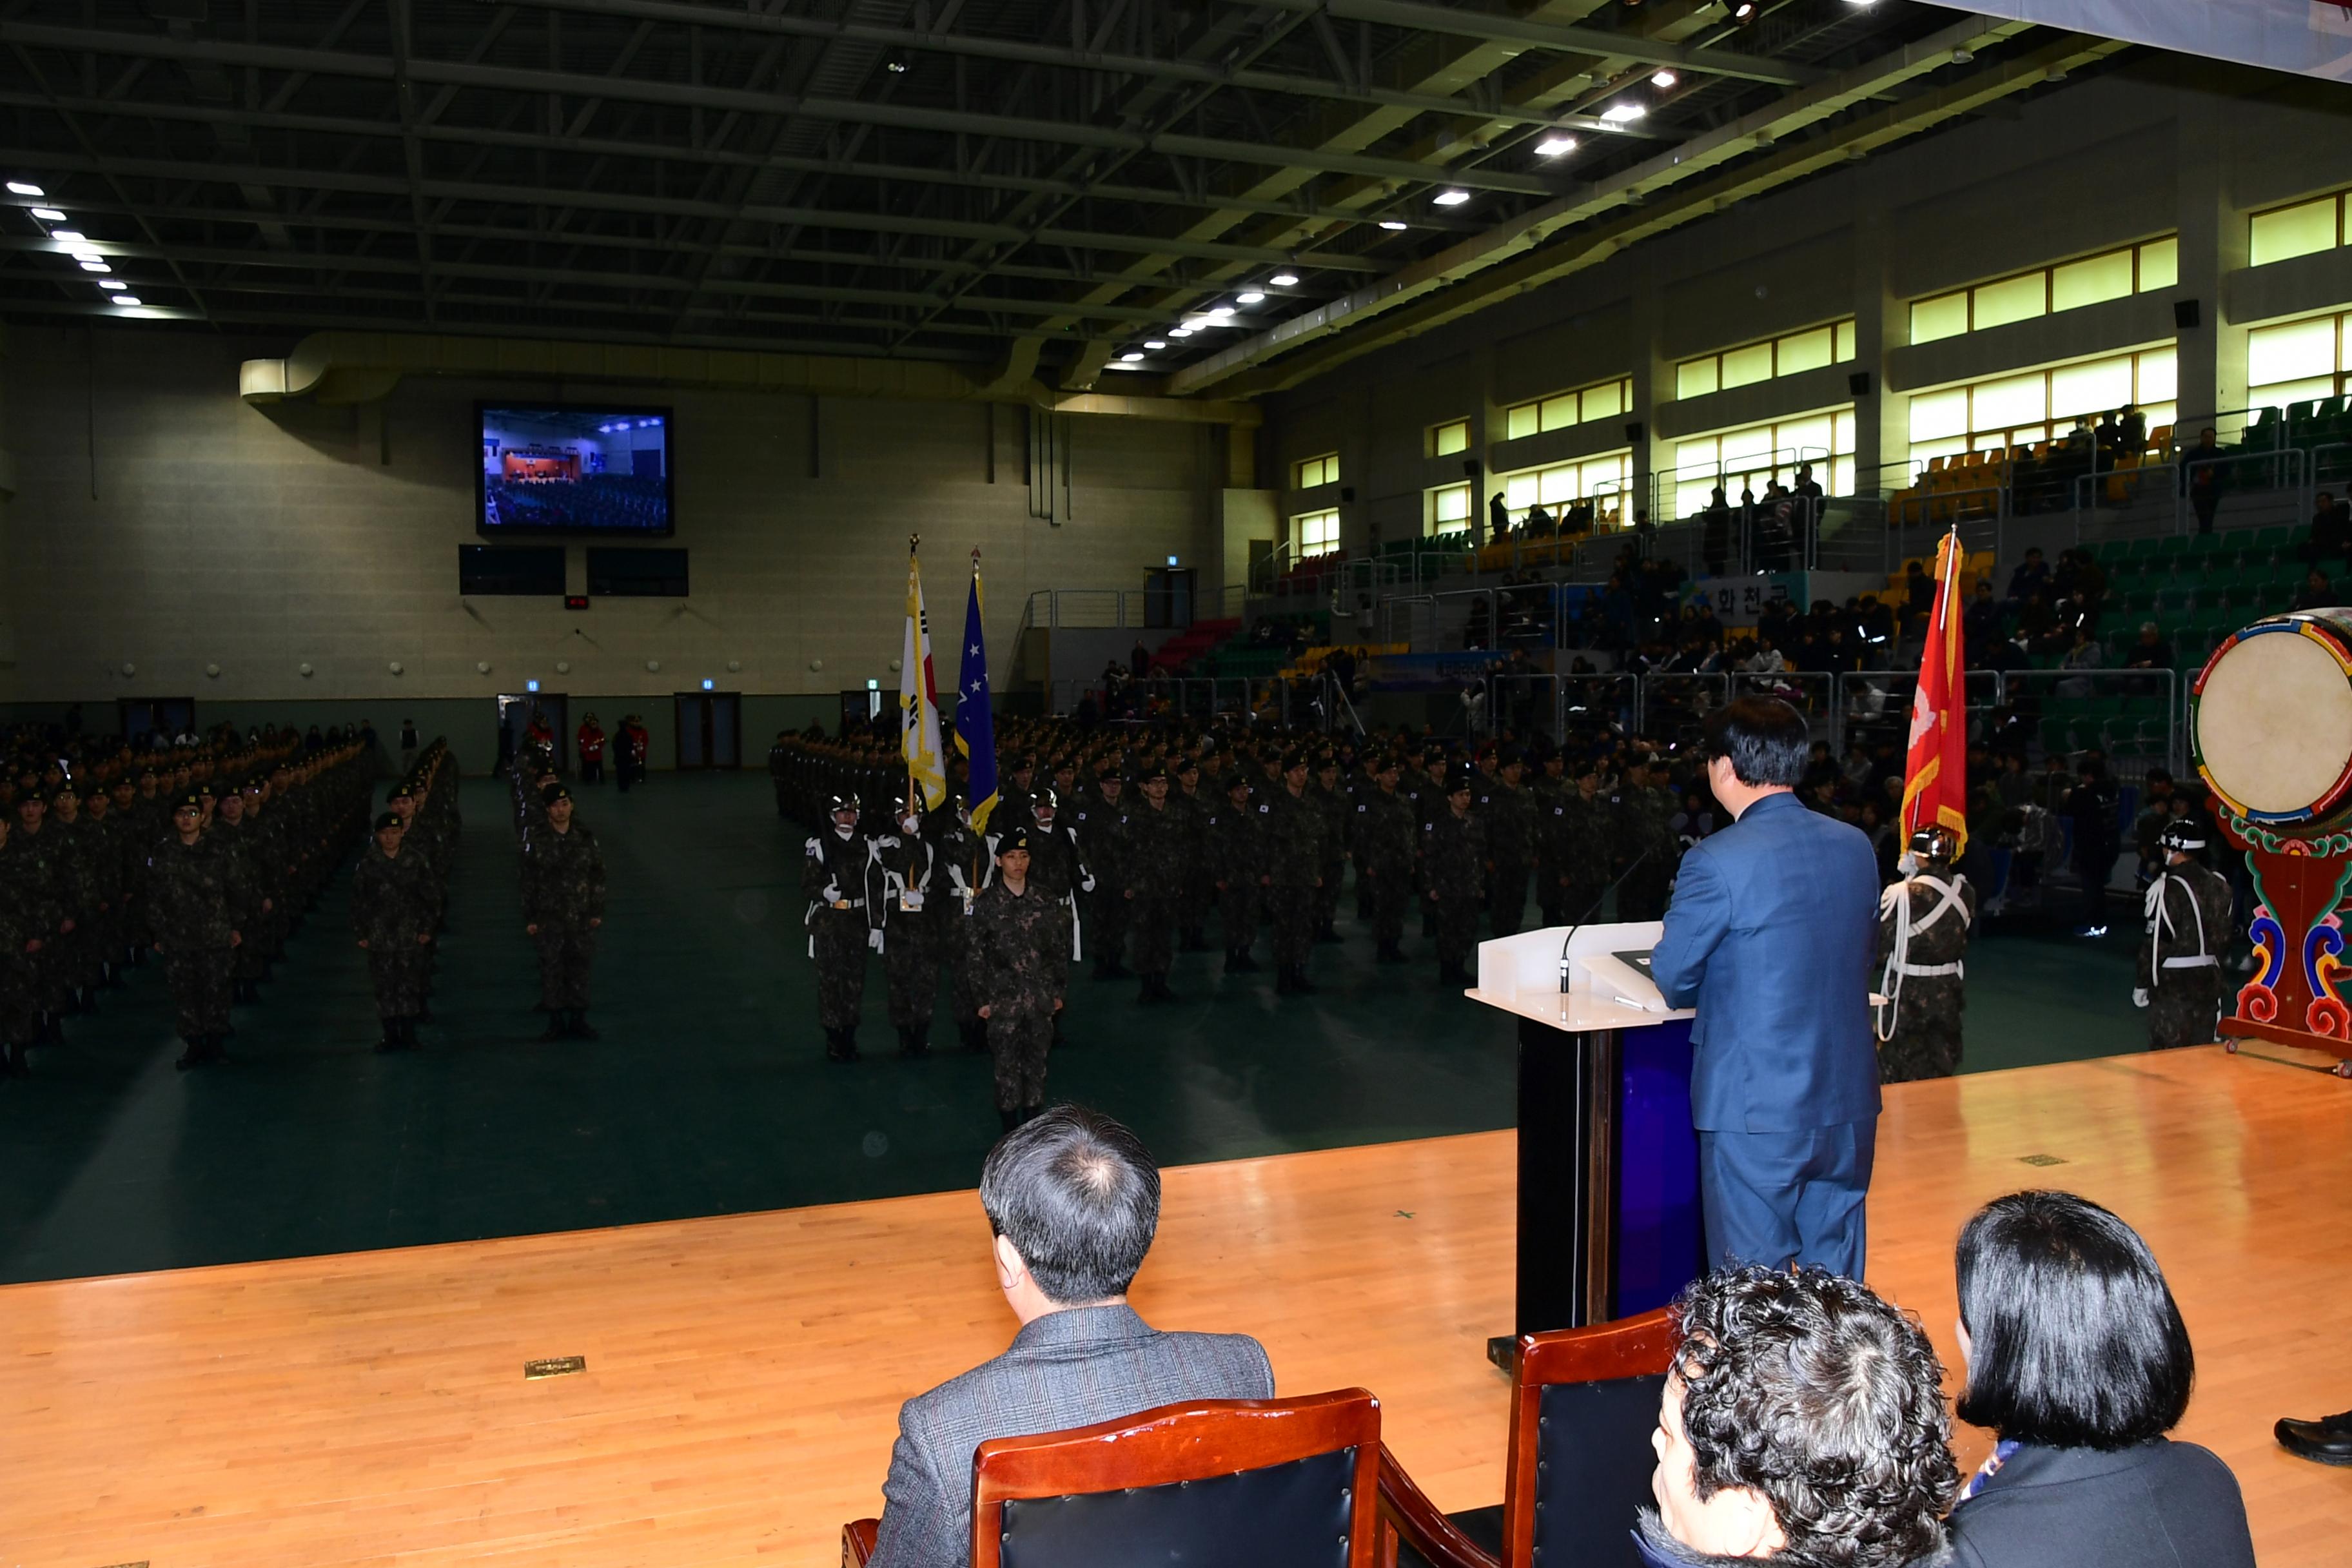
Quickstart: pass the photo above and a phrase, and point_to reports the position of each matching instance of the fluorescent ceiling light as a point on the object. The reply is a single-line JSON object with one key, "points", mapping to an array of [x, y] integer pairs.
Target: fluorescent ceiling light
{"points": [[96, 267], [1285, 280], [1180, 331], [18, 188], [1664, 78], [48, 215], [1130, 358], [1553, 146], [1220, 311], [126, 300], [1155, 344], [66, 234], [1252, 297], [1619, 113], [1394, 226], [112, 283], [1451, 198]]}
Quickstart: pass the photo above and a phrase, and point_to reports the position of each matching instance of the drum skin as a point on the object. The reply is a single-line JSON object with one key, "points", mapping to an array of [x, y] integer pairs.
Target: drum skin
{"points": [[2270, 719]]}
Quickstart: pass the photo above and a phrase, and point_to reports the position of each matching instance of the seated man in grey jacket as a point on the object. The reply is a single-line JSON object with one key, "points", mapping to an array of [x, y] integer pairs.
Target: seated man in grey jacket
{"points": [[1073, 1200]]}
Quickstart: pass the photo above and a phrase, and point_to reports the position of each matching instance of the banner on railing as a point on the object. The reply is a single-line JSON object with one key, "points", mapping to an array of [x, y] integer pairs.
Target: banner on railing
{"points": [[1742, 601]]}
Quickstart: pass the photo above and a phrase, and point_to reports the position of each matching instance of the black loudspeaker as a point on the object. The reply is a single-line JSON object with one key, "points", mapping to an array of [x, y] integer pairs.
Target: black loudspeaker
{"points": [[2186, 315], [1858, 384], [1633, 430], [1347, 493], [1472, 467]]}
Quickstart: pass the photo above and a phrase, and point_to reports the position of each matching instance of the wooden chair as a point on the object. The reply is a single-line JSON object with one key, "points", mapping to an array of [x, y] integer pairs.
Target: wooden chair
{"points": [[1583, 1404], [1278, 1480]]}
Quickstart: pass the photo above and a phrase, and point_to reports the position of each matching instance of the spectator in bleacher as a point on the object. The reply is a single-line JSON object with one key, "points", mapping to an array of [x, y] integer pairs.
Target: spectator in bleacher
{"points": [[1715, 532], [1500, 516], [2202, 479], [1802, 1423], [1073, 1200], [1139, 659], [2152, 652], [2331, 530], [2029, 576], [2318, 592], [1980, 622], [2079, 1362], [2132, 425]]}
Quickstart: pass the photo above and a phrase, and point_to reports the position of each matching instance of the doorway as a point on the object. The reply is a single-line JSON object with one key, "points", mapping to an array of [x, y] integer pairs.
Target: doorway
{"points": [[170, 715], [710, 729], [516, 710]]}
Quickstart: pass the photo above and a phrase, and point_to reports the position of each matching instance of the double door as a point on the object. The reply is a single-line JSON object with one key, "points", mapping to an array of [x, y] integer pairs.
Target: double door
{"points": [[710, 729]]}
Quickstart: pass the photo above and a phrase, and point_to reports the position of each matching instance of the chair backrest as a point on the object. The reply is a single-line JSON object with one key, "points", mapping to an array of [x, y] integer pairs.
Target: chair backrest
{"points": [[1583, 1404], [1212, 1480]]}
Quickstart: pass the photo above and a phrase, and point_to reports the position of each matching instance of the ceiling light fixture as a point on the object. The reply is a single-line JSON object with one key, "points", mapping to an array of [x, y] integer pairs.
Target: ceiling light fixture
{"points": [[1155, 344], [124, 300], [1180, 331], [1742, 10], [18, 188], [112, 283], [1130, 358], [1450, 198], [1252, 297], [1394, 226], [1553, 146], [1664, 78], [48, 215], [96, 267], [1619, 113], [66, 234], [1285, 280], [1219, 313]]}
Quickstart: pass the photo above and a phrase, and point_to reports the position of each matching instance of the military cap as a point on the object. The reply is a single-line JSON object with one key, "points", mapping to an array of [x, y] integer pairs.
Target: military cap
{"points": [[1047, 799], [1294, 761], [1110, 768], [1237, 782], [68, 788], [388, 820], [1014, 839], [1457, 780], [1146, 772], [1187, 764], [558, 793], [400, 792], [202, 789], [189, 801]]}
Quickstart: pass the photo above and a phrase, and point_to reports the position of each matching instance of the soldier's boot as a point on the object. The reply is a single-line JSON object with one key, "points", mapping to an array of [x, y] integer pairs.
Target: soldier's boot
{"points": [[1301, 983], [193, 1057], [1282, 979], [53, 1031], [841, 1045], [1247, 965], [1195, 940], [1233, 960], [581, 1029], [1160, 988], [391, 1041], [1326, 931], [911, 1041], [554, 1030], [973, 1033], [1389, 953]]}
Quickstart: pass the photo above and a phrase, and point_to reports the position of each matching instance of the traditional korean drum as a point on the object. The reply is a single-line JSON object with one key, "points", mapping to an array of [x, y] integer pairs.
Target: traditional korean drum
{"points": [[2270, 719]]}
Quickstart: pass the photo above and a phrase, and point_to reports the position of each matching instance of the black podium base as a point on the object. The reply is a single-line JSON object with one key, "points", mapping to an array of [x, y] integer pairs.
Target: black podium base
{"points": [[1501, 1349]]}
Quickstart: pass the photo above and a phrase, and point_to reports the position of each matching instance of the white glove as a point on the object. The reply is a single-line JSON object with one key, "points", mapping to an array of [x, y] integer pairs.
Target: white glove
{"points": [[832, 893], [874, 938], [2140, 996]]}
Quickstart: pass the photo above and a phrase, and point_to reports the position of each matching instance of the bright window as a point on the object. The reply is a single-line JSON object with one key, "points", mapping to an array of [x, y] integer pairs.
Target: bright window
{"points": [[2110, 275], [2025, 408], [1309, 472], [1602, 480], [2298, 230], [1315, 533], [1752, 457], [1450, 437], [1751, 363], [1449, 509], [1601, 400], [2298, 362]]}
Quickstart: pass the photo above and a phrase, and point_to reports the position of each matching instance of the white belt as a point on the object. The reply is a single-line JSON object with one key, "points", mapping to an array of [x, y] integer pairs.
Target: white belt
{"points": [[2207, 961], [1929, 970]]}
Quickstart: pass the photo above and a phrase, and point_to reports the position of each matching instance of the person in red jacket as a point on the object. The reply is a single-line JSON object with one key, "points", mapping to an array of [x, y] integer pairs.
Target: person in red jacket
{"points": [[629, 752], [590, 740]]}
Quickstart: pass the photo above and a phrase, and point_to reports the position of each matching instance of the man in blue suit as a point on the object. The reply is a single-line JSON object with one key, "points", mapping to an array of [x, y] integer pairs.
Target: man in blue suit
{"points": [[1770, 936]]}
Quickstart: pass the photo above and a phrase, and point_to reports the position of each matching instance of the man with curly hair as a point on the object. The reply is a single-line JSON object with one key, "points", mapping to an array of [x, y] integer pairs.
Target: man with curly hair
{"points": [[1802, 1424]]}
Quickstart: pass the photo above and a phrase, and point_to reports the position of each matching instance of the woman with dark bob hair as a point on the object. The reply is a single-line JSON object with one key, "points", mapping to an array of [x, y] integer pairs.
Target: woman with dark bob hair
{"points": [[2080, 1363]]}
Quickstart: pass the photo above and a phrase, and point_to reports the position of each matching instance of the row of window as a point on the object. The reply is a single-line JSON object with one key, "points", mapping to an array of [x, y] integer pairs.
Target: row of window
{"points": [[1753, 459], [1766, 360], [2297, 361], [1601, 400], [2045, 290], [2027, 406]]}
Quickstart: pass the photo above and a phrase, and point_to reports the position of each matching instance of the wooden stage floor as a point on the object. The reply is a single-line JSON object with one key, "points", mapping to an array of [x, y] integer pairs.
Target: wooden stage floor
{"points": [[744, 1374]]}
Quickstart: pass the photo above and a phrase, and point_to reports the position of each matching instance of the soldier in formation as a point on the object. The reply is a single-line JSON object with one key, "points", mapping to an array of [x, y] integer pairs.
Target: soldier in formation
{"points": [[562, 908], [395, 905], [1155, 835], [2188, 911], [1238, 851], [913, 943], [191, 918], [1017, 936], [1454, 870], [1384, 841], [1294, 830], [842, 875], [1923, 923]]}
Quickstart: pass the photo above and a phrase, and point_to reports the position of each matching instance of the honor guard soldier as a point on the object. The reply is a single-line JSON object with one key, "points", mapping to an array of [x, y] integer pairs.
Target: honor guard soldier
{"points": [[911, 943], [188, 903], [562, 905], [394, 905], [2187, 909], [842, 875], [1058, 870], [1017, 938], [1924, 923]]}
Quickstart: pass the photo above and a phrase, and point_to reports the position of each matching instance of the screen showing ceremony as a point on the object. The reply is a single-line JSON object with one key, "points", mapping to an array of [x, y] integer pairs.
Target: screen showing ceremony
{"points": [[574, 470]]}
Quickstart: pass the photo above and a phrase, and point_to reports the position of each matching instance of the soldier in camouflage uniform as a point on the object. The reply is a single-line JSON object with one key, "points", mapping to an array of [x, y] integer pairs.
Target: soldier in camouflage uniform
{"points": [[1238, 848], [24, 925], [1644, 823], [1200, 889], [1058, 869], [34, 864], [1548, 792], [394, 906], [2188, 910], [1924, 923], [1454, 870], [189, 901], [1385, 837], [1017, 937], [1330, 798], [1507, 812], [81, 877], [1100, 823], [251, 902], [842, 875], [1293, 856], [562, 906], [911, 944], [958, 853], [1155, 835], [1579, 829]]}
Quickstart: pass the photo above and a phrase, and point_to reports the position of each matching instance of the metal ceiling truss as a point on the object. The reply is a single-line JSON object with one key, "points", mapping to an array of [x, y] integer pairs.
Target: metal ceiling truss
{"points": [[974, 180]]}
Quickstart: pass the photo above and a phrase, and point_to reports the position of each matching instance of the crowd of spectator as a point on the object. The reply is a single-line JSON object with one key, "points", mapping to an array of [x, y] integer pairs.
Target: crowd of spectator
{"points": [[614, 503]]}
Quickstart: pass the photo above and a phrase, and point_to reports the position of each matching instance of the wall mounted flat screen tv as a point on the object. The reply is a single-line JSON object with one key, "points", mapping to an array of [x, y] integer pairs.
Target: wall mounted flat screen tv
{"points": [[586, 468]]}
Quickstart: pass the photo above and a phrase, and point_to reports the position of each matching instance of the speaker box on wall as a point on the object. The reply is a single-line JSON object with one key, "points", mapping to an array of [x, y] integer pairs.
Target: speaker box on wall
{"points": [[1472, 467], [1347, 493], [1858, 384], [1633, 429], [2186, 315]]}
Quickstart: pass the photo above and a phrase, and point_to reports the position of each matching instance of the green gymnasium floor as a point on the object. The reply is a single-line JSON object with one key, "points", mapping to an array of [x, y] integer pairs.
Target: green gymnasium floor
{"points": [[708, 1092]]}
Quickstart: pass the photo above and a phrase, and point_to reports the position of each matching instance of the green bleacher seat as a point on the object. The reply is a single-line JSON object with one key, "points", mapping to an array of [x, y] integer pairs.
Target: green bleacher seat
{"points": [[2140, 603], [2142, 550], [2271, 540], [2172, 547]]}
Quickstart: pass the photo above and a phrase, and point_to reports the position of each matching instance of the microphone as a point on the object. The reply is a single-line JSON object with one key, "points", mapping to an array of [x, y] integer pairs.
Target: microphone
{"points": [[1574, 925]]}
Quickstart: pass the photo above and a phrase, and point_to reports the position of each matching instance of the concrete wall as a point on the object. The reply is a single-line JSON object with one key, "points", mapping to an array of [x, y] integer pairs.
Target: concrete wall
{"points": [[161, 522], [2163, 145]]}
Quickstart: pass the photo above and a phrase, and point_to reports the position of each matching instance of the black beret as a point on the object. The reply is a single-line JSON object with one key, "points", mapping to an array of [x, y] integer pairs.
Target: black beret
{"points": [[388, 820], [1014, 839]]}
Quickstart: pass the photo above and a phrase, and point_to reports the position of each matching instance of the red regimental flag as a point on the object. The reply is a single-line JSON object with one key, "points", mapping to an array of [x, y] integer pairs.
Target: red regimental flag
{"points": [[1935, 770]]}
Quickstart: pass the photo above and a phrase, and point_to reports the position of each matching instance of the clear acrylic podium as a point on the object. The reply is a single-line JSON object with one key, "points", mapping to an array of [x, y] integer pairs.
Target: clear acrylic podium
{"points": [[1609, 1219]]}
